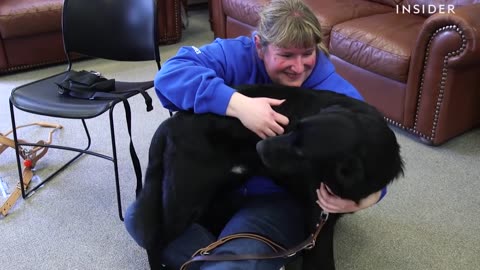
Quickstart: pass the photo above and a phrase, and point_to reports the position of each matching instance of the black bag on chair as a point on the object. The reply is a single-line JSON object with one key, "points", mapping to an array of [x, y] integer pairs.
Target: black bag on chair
{"points": [[92, 85], [85, 84]]}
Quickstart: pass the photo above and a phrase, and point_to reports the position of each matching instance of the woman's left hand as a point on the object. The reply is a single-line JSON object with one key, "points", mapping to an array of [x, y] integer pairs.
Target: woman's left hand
{"points": [[331, 203]]}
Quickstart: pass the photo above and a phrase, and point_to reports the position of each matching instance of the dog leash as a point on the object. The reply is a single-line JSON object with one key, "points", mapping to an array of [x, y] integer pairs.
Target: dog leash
{"points": [[204, 254], [30, 157]]}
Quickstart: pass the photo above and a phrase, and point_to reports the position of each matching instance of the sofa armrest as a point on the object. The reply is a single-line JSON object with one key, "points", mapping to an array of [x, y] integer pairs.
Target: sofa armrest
{"points": [[466, 22], [442, 83], [218, 20], [453, 37], [3, 56], [169, 21]]}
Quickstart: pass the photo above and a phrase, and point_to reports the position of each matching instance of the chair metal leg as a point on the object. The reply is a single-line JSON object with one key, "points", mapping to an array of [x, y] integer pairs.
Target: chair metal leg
{"points": [[25, 194], [17, 150], [67, 163], [113, 158], [115, 164]]}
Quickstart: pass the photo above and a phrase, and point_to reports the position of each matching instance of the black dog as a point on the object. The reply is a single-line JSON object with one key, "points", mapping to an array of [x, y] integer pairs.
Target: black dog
{"points": [[331, 137]]}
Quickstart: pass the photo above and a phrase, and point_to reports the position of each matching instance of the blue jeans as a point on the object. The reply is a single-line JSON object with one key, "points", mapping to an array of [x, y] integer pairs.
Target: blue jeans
{"points": [[276, 216]]}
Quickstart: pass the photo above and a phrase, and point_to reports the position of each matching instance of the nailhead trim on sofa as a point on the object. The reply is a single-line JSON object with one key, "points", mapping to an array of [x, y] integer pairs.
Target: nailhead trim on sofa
{"points": [[430, 138]]}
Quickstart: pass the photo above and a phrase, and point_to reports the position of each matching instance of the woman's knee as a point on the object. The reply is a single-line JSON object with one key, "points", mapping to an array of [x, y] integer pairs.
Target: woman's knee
{"points": [[240, 247], [279, 218]]}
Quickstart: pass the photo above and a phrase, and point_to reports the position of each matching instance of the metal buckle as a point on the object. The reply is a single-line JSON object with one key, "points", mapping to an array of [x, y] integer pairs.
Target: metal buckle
{"points": [[291, 254], [96, 73], [26, 153], [310, 245], [324, 215]]}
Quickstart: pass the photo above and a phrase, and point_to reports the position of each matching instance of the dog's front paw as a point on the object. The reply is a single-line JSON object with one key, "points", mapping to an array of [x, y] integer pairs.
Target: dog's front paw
{"points": [[143, 222]]}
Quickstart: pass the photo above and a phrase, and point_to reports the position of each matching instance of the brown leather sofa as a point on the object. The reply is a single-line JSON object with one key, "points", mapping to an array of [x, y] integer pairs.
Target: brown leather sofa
{"points": [[415, 60], [30, 31]]}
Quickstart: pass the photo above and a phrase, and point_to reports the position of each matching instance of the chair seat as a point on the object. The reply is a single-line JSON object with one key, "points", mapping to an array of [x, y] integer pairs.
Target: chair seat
{"points": [[41, 97]]}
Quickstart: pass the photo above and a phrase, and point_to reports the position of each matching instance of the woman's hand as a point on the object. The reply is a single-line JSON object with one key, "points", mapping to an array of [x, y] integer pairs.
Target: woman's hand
{"points": [[257, 114], [331, 203]]}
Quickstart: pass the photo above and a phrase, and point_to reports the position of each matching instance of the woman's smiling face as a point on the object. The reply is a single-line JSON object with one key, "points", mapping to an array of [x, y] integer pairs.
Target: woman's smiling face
{"points": [[287, 66]]}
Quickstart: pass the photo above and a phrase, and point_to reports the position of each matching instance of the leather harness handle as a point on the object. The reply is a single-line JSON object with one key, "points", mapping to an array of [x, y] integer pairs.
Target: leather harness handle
{"points": [[203, 254], [33, 155]]}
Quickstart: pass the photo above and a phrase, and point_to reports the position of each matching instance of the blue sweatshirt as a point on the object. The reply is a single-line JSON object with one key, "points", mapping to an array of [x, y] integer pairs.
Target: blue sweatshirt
{"points": [[202, 80]]}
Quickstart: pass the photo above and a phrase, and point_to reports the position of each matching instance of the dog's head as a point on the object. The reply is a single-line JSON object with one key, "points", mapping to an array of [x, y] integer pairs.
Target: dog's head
{"points": [[354, 153]]}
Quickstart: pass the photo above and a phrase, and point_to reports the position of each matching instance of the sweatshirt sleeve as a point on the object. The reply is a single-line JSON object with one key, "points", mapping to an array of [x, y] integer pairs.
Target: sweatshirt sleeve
{"points": [[193, 80], [382, 194]]}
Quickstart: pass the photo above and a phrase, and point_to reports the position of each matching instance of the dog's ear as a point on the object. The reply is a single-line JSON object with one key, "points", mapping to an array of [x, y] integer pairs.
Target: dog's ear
{"points": [[349, 172], [327, 135], [346, 177]]}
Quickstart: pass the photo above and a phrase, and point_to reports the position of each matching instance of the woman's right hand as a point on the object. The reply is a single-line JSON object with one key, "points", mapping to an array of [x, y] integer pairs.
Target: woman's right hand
{"points": [[257, 114]]}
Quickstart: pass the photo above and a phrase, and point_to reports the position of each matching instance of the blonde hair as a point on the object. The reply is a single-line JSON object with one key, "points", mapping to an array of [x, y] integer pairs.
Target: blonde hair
{"points": [[286, 23]]}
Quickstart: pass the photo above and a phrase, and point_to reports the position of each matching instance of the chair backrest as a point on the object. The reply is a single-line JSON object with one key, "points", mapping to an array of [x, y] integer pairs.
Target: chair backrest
{"points": [[123, 30]]}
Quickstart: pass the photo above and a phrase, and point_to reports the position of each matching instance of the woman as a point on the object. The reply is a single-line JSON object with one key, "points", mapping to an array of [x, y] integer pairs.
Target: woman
{"points": [[287, 49]]}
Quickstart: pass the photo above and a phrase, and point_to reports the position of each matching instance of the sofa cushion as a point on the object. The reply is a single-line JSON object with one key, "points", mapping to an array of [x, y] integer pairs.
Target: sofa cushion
{"points": [[381, 43], [327, 11], [328, 14], [245, 11], [25, 17], [437, 3], [389, 2], [427, 8]]}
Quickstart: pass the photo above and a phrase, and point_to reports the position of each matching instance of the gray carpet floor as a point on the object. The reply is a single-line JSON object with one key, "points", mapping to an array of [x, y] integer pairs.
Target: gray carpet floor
{"points": [[429, 219]]}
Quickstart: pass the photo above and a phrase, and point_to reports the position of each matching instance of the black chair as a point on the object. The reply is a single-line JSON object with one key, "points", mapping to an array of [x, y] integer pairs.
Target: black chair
{"points": [[122, 30]]}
